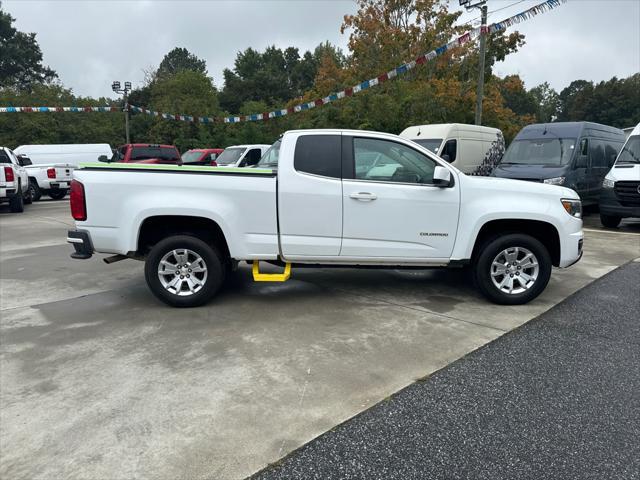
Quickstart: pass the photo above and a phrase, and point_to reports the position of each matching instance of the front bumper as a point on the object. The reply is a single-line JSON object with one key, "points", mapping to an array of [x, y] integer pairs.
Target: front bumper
{"points": [[81, 241], [610, 205]]}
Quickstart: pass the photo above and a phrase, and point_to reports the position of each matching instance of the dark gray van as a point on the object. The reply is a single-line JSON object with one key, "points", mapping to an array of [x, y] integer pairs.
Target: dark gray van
{"points": [[574, 154]]}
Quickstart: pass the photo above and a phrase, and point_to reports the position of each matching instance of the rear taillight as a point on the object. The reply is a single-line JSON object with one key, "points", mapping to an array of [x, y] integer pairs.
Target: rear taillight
{"points": [[77, 201], [8, 174], [51, 172]]}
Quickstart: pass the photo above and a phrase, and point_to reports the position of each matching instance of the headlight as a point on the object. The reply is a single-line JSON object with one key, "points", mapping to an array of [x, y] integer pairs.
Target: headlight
{"points": [[572, 206], [608, 183], [554, 181]]}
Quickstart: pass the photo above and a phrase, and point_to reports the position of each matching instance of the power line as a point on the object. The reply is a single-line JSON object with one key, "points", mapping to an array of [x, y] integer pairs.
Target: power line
{"points": [[494, 11]]}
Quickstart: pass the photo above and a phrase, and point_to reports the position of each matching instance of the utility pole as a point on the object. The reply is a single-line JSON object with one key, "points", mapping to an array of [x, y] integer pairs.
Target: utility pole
{"points": [[115, 86], [483, 45]]}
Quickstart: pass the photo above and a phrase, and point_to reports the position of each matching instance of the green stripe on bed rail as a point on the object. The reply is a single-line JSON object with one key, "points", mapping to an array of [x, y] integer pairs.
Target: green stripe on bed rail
{"points": [[176, 168]]}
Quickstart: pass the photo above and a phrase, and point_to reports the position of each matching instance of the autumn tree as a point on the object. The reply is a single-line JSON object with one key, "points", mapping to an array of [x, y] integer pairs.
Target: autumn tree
{"points": [[20, 57]]}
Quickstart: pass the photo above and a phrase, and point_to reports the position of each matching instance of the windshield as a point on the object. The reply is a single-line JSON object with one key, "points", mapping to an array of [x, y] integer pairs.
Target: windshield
{"points": [[230, 156], [191, 156], [270, 157], [431, 144], [544, 151], [631, 151]]}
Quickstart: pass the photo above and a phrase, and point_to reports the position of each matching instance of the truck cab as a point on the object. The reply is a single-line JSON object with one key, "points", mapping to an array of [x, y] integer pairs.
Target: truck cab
{"points": [[146, 153]]}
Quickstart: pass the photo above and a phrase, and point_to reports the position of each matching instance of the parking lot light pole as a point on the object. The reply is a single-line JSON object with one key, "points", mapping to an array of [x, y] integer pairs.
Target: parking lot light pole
{"points": [[483, 45], [116, 87]]}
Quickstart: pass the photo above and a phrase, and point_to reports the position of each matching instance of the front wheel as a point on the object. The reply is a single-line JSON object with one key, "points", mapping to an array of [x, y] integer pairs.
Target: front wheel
{"points": [[184, 271], [58, 194], [610, 221], [512, 269]]}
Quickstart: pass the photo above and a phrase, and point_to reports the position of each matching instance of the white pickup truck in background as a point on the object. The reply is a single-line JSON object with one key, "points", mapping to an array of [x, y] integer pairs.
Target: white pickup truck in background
{"points": [[319, 205], [14, 181], [52, 166]]}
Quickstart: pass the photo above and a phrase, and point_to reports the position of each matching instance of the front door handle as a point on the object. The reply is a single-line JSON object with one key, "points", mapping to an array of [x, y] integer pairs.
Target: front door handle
{"points": [[364, 196]]}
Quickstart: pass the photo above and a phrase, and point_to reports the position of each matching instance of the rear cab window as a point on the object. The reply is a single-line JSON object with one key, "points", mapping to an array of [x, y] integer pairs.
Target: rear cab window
{"points": [[319, 155]]}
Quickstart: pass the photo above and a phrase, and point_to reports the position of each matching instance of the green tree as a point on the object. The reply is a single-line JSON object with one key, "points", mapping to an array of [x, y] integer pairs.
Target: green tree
{"points": [[547, 101], [180, 60], [20, 57]]}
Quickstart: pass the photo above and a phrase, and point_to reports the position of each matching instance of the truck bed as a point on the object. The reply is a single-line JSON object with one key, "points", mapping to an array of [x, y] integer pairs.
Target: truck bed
{"points": [[120, 196]]}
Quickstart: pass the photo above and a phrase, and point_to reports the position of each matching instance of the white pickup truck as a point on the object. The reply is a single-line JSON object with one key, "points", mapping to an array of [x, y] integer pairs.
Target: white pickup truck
{"points": [[317, 204], [14, 181]]}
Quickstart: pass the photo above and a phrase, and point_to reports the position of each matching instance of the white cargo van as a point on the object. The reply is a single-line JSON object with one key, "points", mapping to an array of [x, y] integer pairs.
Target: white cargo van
{"points": [[474, 149], [52, 165]]}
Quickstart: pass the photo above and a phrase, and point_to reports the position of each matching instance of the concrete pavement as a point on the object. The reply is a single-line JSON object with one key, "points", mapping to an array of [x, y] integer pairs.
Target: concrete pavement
{"points": [[99, 380], [555, 399]]}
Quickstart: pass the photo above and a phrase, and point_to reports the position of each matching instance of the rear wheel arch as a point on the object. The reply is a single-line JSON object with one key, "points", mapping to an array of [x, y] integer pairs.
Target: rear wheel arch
{"points": [[545, 232], [159, 227]]}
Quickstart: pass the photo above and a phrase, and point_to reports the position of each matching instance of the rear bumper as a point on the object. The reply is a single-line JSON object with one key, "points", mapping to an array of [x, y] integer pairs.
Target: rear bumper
{"points": [[81, 241], [55, 185], [610, 205]]}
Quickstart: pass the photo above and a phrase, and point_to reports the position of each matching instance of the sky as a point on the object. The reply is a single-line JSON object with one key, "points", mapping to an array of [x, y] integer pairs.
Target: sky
{"points": [[90, 43]]}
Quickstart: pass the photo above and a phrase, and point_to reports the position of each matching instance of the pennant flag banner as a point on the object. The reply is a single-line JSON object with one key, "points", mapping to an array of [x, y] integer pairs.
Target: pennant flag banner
{"points": [[59, 109], [391, 74]]}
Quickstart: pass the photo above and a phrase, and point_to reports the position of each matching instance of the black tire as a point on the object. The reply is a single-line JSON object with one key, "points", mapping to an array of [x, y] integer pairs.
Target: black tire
{"points": [[35, 190], [58, 194], [16, 203], [610, 221], [491, 249], [28, 199], [209, 254]]}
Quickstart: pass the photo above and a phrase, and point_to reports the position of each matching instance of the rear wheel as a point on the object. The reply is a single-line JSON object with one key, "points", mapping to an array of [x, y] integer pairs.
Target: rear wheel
{"points": [[28, 199], [610, 221], [512, 269], [16, 203], [184, 271], [58, 194], [35, 190]]}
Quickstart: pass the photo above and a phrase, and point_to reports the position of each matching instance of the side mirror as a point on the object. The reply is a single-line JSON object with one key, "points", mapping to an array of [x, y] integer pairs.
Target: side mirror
{"points": [[446, 158], [581, 161], [103, 158], [213, 156], [441, 176]]}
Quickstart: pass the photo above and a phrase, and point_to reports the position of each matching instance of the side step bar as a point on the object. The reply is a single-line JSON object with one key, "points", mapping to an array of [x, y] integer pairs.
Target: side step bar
{"points": [[270, 277]]}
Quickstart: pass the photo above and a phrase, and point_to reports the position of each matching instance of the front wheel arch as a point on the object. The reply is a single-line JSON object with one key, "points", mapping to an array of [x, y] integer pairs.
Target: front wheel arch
{"points": [[545, 232]]}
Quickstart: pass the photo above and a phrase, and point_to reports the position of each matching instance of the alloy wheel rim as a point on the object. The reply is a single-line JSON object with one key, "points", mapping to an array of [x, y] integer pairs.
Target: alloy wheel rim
{"points": [[514, 270], [182, 272]]}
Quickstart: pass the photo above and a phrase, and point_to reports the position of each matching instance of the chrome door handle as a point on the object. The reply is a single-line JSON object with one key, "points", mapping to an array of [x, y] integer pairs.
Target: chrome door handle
{"points": [[364, 196]]}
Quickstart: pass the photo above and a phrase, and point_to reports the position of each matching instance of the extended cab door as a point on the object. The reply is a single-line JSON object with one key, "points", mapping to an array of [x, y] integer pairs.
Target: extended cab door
{"points": [[310, 195], [392, 210]]}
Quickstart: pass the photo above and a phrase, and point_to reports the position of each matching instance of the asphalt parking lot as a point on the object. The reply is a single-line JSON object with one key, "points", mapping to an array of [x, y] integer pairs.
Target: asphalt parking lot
{"points": [[100, 380]]}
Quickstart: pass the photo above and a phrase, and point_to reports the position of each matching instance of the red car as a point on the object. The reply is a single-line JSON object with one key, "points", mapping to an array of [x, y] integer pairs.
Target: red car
{"points": [[146, 153], [201, 156]]}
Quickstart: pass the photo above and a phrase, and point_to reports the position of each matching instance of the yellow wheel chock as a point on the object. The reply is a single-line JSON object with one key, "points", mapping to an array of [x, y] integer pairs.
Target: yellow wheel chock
{"points": [[270, 277]]}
